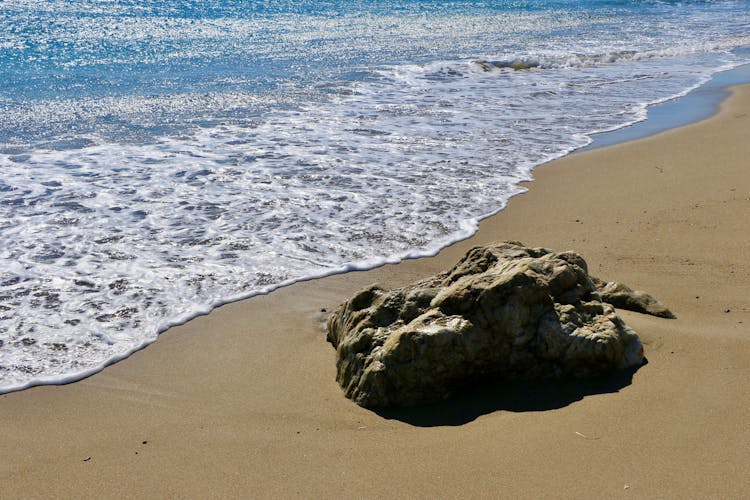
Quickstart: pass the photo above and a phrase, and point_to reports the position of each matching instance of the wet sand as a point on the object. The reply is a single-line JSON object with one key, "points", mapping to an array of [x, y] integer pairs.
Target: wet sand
{"points": [[243, 402]]}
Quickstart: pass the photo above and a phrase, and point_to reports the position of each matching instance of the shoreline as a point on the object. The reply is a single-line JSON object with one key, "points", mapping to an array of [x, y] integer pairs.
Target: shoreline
{"points": [[661, 116], [244, 400], [697, 104]]}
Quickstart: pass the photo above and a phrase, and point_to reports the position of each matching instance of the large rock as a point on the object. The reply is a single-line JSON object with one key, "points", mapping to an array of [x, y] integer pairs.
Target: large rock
{"points": [[504, 310]]}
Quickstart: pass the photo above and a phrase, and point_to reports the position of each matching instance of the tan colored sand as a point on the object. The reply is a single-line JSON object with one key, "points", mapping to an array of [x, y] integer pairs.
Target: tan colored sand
{"points": [[243, 402]]}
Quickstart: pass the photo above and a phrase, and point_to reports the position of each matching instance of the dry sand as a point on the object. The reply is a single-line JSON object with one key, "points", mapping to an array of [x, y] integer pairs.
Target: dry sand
{"points": [[243, 402]]}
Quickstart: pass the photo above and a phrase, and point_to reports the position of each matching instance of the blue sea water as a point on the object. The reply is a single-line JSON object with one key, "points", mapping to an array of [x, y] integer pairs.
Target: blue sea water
{"points": [[159, 158]]}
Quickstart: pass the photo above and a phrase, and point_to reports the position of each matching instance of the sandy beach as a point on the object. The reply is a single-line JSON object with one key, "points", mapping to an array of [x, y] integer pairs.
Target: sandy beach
{"points": [[243, 402]]}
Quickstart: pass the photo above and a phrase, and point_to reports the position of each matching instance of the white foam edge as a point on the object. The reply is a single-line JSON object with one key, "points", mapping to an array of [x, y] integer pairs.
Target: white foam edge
{"points": [[642, 114]]}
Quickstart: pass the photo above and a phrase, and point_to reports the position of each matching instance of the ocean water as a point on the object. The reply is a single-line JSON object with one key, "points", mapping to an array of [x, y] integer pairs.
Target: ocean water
{"points": [[159, 158]]}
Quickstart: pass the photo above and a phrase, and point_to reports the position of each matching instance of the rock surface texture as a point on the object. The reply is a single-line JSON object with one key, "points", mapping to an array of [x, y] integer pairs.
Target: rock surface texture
{"points": [[505, 310]]}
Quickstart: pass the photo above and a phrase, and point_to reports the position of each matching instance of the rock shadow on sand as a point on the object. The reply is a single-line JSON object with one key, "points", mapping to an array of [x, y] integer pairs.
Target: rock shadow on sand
{"points": [[508, 395]]}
